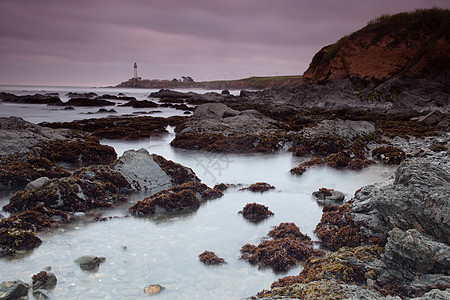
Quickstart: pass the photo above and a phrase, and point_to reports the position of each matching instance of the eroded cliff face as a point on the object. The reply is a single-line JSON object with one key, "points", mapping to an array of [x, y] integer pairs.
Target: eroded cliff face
{"points": [[409, 44]]}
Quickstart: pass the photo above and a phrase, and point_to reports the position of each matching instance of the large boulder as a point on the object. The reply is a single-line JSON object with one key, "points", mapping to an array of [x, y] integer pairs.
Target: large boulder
{"points": [[149, 172], [418, 197], [216, 127], [19, 136]]}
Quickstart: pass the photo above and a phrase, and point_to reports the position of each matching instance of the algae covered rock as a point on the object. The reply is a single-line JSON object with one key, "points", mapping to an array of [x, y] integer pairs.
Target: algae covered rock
{"points": [[255, 212], [89, 262], [210, 258], [187, 196]]}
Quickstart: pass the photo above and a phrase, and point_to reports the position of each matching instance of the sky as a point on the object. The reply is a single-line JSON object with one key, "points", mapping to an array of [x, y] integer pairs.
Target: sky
{"points": [[97, 42]]}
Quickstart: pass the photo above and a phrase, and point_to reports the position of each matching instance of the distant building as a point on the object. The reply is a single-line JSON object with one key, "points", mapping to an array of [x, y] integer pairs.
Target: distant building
{"points": [[135, 71]]}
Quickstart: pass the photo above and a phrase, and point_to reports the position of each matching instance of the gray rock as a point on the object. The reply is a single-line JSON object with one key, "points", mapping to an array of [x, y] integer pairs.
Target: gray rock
{"points": [[345, 129], [418, 197], [19, 136], [414, 254], [13, 289], [36, 183], [432, 118], [435, 295], [89, 262], [49, 283], [141, 171], [328, 195]]}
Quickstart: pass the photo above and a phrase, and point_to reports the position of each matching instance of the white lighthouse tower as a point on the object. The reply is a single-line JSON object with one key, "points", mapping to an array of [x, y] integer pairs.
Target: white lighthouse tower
{"points": [[135, 71]]}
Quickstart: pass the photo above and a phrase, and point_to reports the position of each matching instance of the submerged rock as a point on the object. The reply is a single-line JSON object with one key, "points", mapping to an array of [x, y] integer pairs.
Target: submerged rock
{"points": [[89, 262]]}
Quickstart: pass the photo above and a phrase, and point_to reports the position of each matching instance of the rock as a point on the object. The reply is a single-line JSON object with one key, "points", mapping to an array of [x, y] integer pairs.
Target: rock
{"points": [[81, 95], [142, 171], [344, 129], [432, 118], [328, 194], [18, 171], [255, 212], [34, 99], [89, 262], [210, 258], [435, 295], [124, 128], [43, 280], [19, 136], [259, 187], [86, 102], [411, 253], [422, 187], [153, 289], [218, 128], [141, 104], [225, 92], [287, 248], [13, 289], [182, 197], [389, 155], [36, 183]]}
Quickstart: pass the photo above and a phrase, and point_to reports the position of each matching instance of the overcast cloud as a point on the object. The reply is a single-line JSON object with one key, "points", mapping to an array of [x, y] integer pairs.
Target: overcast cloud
{"points": [[96, 42]]}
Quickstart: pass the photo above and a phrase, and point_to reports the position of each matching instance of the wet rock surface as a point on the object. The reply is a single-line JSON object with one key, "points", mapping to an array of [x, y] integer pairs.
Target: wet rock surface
{"points": [[153, 289], [89, 262]]}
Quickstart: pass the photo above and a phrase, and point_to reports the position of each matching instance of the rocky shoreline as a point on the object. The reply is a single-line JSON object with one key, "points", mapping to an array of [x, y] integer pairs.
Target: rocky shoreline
{"points": [[366, 248]]}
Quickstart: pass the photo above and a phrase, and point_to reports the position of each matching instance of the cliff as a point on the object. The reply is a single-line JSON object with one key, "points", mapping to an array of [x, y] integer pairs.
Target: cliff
{"points": [[412, 44]]}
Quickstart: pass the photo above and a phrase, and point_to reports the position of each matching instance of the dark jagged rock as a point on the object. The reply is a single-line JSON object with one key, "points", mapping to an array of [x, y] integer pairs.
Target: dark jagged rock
{"points": [[141, 104], [13, 289], [255, 212], [81, 95], [287, 248], [210, 258], [86, 102], [423, 187], [32, 99]]}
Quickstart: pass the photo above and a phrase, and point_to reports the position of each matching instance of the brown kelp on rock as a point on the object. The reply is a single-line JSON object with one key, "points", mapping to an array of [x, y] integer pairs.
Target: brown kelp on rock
{"points": [[287, 248], [187, 196]]}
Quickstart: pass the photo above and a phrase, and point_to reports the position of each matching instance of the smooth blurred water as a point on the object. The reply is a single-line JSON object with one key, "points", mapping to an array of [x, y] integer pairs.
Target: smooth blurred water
{"points": [[164, 250]]}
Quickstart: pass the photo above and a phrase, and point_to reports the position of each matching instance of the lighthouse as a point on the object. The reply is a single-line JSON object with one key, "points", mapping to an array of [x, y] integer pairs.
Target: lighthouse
{"points": [[135, 71]]}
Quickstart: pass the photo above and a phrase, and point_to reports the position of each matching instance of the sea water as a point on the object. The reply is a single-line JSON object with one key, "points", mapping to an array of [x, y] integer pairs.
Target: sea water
{"points": [[164, 249]]}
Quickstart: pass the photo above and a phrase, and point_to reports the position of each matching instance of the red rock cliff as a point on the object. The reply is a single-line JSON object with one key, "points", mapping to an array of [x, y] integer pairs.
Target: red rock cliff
{"points": [[412, 44]]}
